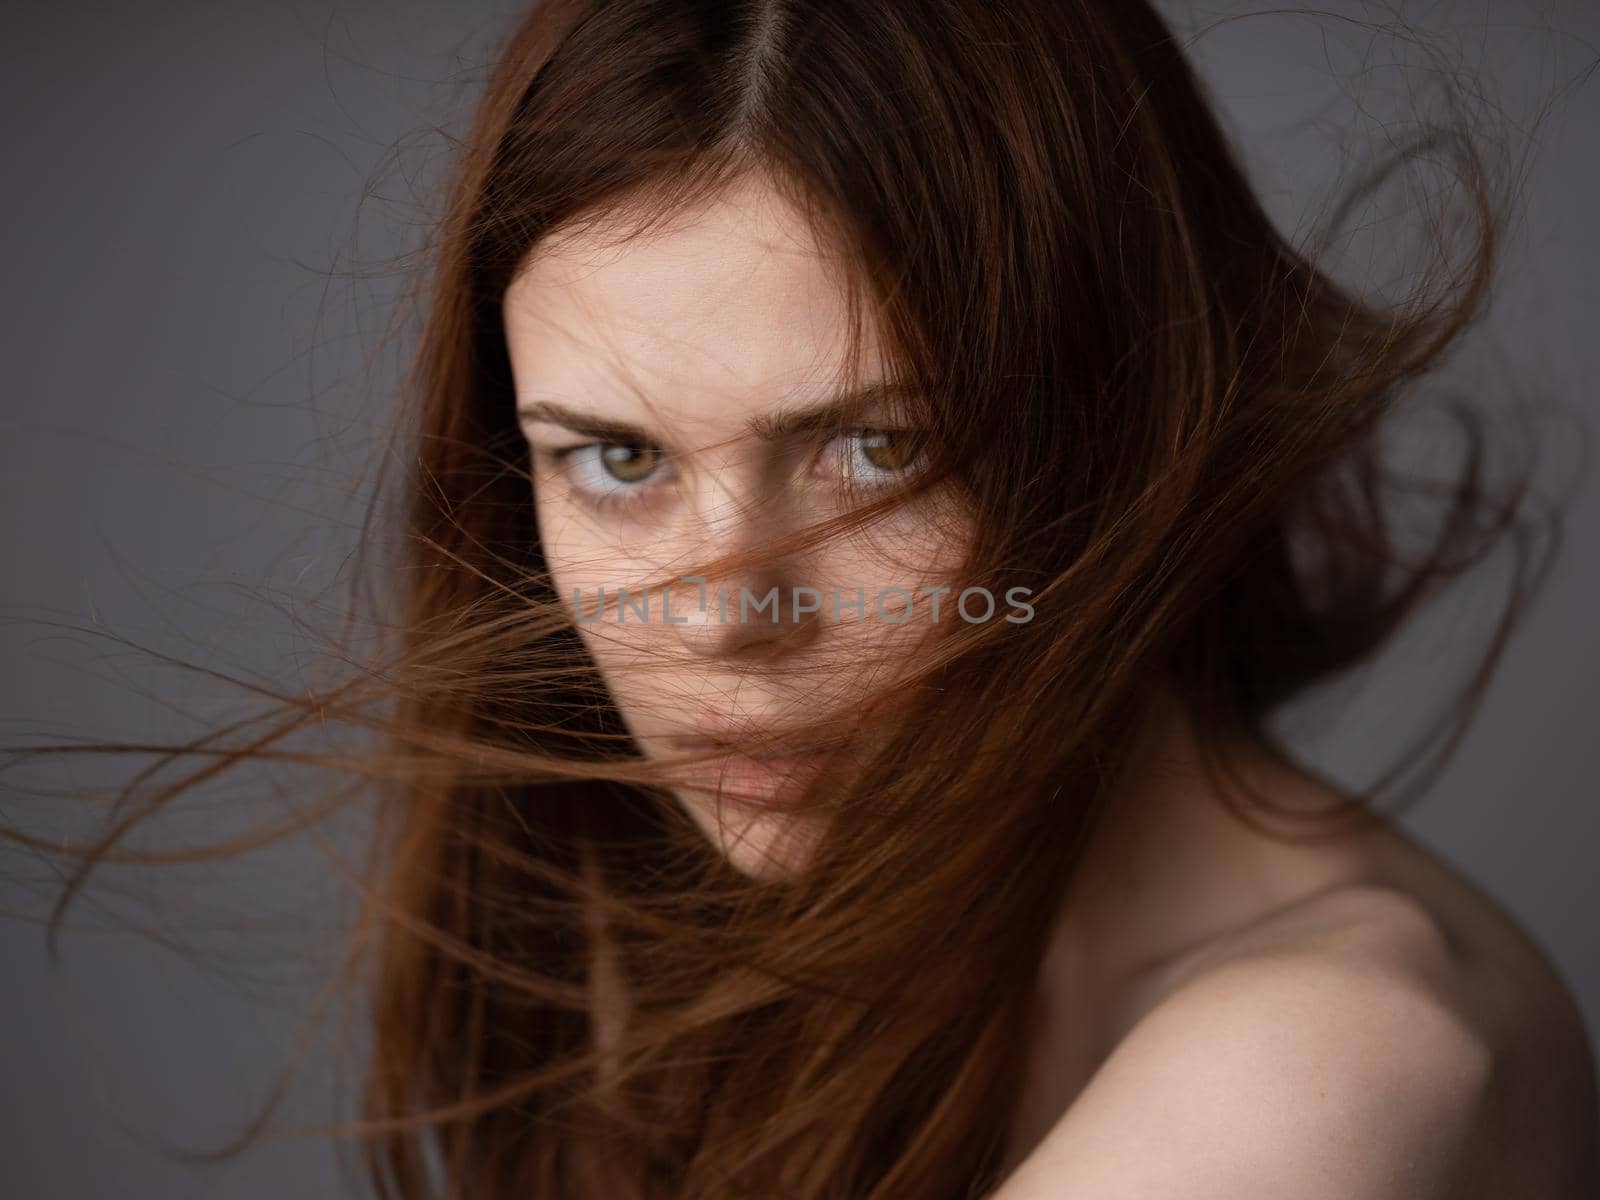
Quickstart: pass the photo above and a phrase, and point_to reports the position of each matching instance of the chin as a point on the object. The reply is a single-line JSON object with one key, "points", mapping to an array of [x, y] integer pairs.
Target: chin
{"points": [[763, 845]]}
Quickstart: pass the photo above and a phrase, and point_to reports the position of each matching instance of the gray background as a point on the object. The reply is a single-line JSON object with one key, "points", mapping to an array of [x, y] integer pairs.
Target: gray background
{"points": [[206, 216]]}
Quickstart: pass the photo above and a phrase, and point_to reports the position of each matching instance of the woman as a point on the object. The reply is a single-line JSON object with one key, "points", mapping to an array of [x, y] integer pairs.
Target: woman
{"points": [[877, 472]]}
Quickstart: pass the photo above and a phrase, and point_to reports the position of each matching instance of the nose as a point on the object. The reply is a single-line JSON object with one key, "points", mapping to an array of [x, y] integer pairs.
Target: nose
{"points": [[744, 619], [761, 612]]}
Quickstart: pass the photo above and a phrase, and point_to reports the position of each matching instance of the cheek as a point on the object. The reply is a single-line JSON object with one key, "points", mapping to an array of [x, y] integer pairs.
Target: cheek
{"points": [[581, 559], [581, 565], [633, 689], [563, 541], [923, 541], [897, 564]]}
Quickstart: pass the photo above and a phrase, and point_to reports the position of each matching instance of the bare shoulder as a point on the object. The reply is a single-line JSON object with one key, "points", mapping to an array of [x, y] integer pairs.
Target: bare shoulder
{"points": [[1358, 1044]]}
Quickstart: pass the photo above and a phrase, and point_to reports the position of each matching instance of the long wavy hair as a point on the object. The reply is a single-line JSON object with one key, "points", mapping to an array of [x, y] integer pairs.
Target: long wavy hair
{"points": [[1164, 420]]}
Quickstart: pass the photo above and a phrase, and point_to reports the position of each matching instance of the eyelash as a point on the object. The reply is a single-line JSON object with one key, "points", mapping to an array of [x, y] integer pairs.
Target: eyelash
{"points": [[626, 499], [622, 499], [872, 432]]}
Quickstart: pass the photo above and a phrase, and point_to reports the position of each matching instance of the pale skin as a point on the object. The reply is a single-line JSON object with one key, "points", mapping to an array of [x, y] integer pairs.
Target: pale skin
{"points": [[1221, 1014]]}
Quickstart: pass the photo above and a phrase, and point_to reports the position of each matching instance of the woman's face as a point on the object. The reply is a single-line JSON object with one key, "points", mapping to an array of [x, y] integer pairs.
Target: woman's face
{"points": [[668, 389]]}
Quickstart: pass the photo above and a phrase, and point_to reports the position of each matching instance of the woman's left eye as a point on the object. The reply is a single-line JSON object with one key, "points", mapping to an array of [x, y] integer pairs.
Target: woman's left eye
{"points": [[873, 456]]}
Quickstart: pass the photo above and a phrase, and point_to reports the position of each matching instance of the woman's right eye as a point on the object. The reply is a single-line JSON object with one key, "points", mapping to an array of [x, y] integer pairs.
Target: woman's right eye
{"points": [[610, 472]]}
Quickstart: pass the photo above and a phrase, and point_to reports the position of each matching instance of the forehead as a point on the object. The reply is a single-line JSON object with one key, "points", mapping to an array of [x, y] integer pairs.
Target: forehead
{"points": [[729, 311]]}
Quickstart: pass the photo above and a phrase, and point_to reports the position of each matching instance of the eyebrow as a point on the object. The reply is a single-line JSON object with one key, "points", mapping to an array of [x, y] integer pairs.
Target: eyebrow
{"points": [[786, 423]]}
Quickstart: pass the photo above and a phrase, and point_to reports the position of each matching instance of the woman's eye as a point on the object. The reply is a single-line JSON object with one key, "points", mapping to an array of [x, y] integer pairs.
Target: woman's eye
{"points": [[610, 469], [871, 456]]}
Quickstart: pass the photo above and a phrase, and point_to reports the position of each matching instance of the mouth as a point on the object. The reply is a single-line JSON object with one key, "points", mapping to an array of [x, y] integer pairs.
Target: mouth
{"points": [[750, 778]]}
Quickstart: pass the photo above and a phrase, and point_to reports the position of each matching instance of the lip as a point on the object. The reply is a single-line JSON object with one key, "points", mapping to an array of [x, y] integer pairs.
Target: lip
{"points": [[765, 781], [772, 782], [720, 728]]}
